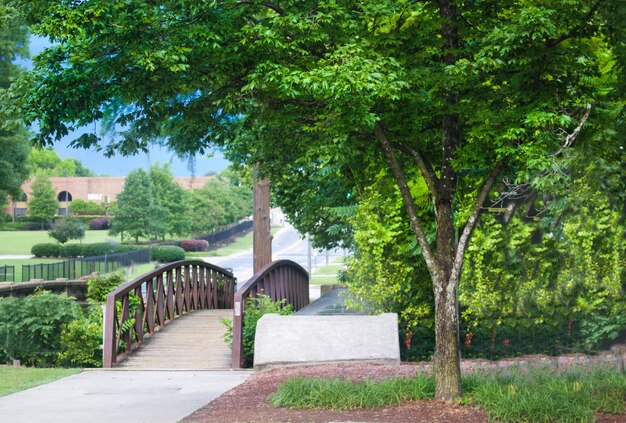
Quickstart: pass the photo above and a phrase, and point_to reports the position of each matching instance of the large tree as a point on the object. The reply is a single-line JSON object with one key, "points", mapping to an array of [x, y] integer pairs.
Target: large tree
{"points": [[14, 142], [132, 215], [43, 202], [478, 101]]}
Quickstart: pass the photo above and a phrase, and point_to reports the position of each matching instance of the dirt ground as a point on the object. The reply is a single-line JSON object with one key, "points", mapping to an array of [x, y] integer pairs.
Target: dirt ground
{"points": [[248, 401]]}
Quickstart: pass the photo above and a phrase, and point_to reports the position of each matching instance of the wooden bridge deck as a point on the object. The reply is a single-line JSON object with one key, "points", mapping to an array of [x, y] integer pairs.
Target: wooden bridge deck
{"points": [[191, 342]]}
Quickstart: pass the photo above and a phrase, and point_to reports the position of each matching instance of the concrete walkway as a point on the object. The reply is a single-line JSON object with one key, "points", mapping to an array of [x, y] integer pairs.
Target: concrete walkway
{"points": [[329, 304], [96, 396]]}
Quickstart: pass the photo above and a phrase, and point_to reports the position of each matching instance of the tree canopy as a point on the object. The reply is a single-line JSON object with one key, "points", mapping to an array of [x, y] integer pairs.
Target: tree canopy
{"points": [[13, 136], [461, 105]]}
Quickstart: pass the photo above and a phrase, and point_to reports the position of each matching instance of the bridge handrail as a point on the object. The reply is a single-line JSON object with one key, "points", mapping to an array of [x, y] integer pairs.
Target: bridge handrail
{"points": [[281, 279], [170, 291]]}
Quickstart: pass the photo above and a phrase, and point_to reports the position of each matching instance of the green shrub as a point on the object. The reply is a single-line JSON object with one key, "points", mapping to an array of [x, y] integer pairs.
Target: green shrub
{"points": [[99, 287], [47, 249], [66, 228], [80, 341], [98, 249], [167, 253], [30, 327], [70, 250], [255, 308]]}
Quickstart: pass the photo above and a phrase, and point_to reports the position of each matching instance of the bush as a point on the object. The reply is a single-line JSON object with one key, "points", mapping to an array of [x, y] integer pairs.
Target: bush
{"points": [[255, 308], [80, 341], [100, 286], [45, 250], [98, 249], [30, 327], [87, 207], [20, 226], [167, 253], [66, 228], [5, 217], [99, 223], [70, 250], [194, 245]]}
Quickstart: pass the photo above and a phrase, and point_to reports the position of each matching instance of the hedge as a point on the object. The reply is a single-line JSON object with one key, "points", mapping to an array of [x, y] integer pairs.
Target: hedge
{"points": [[48, 249], [194, 245], [70, 250], [167, 253]]}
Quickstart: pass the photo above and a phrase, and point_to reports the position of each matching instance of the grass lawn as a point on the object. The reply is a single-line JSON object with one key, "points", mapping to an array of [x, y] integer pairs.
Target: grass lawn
{"points": [[20, 242], [15, 379], [327, 275], [240, 244]]}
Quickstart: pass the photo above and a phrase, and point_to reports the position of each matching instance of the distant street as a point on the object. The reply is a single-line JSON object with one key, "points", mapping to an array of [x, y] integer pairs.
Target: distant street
{"points": [[287, 244]]}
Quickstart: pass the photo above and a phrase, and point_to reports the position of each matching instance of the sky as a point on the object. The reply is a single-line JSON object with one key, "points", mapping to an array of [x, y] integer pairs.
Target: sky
{"points": [[121, 166]]}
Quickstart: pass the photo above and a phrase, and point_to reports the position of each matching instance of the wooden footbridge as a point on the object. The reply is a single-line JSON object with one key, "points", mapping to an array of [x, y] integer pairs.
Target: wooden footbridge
{"points": [[171, 318]]}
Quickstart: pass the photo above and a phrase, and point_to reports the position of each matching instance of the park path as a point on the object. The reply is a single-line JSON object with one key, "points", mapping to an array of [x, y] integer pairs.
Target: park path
{"points": [[119, 396]]}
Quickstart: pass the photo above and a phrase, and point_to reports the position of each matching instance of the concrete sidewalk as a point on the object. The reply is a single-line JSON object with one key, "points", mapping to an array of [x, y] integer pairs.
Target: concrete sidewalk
{"points": [[119, 396]]}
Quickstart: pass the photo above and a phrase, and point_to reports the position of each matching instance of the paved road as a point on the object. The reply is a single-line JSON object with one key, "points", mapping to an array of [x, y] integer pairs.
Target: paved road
{"points": [[287, 244], [119, 396]]}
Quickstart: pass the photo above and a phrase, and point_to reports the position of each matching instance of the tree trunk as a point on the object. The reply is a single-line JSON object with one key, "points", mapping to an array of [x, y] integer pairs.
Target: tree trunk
{"points": [[262, 232], [447, 358]]}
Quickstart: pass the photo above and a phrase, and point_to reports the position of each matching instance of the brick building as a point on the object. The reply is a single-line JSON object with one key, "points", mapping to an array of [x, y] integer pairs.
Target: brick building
{"points": [[100, 189]]}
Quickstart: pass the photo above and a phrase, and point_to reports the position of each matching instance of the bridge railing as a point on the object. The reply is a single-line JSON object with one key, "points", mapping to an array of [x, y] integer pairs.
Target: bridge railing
{"points": [[140, 308], [282, 279]]}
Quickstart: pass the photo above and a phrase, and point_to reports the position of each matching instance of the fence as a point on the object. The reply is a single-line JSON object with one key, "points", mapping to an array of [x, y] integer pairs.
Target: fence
{"points": [[7, 273], [75, 268], [227, 233]]}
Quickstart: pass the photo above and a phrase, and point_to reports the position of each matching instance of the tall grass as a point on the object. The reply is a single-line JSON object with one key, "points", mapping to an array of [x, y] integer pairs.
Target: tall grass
{"points": [[537, 395], [344, 394]]}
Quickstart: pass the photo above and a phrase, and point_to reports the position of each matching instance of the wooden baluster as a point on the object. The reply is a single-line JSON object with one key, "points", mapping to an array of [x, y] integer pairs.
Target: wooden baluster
{"points": [[150, 304], [202, 290], [179, 292], [125, 334], [187, 279], [140, 315], [196, 287], [169, 297], [160, 302]]}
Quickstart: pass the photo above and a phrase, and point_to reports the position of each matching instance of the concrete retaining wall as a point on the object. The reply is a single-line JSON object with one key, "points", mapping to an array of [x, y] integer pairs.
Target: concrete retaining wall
{"points": [[76, 289], [288, 340]]}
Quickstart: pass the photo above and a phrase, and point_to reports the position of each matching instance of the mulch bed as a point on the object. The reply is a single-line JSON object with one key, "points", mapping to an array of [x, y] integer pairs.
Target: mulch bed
{"points": [[248, 401]]}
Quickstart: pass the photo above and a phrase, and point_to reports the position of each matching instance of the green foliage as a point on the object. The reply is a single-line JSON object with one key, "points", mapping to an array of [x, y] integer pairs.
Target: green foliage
{"points": [[151, 206], [564, 280], [66, 228], [256, 307], [99, 287], [14, 143], [133, 207], [219, 203], [30, 327], [46, 250], [100, 249], [340, 394], [167, 253], [46, 162], [81, 340], [70, 250], [42, 204], [87, 207]]}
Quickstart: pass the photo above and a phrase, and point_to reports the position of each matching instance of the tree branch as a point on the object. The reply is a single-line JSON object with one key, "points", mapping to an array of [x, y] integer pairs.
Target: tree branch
{"points": [[473, 219], [407, 198], [425, 169], [574, 31], [570, 138]]}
